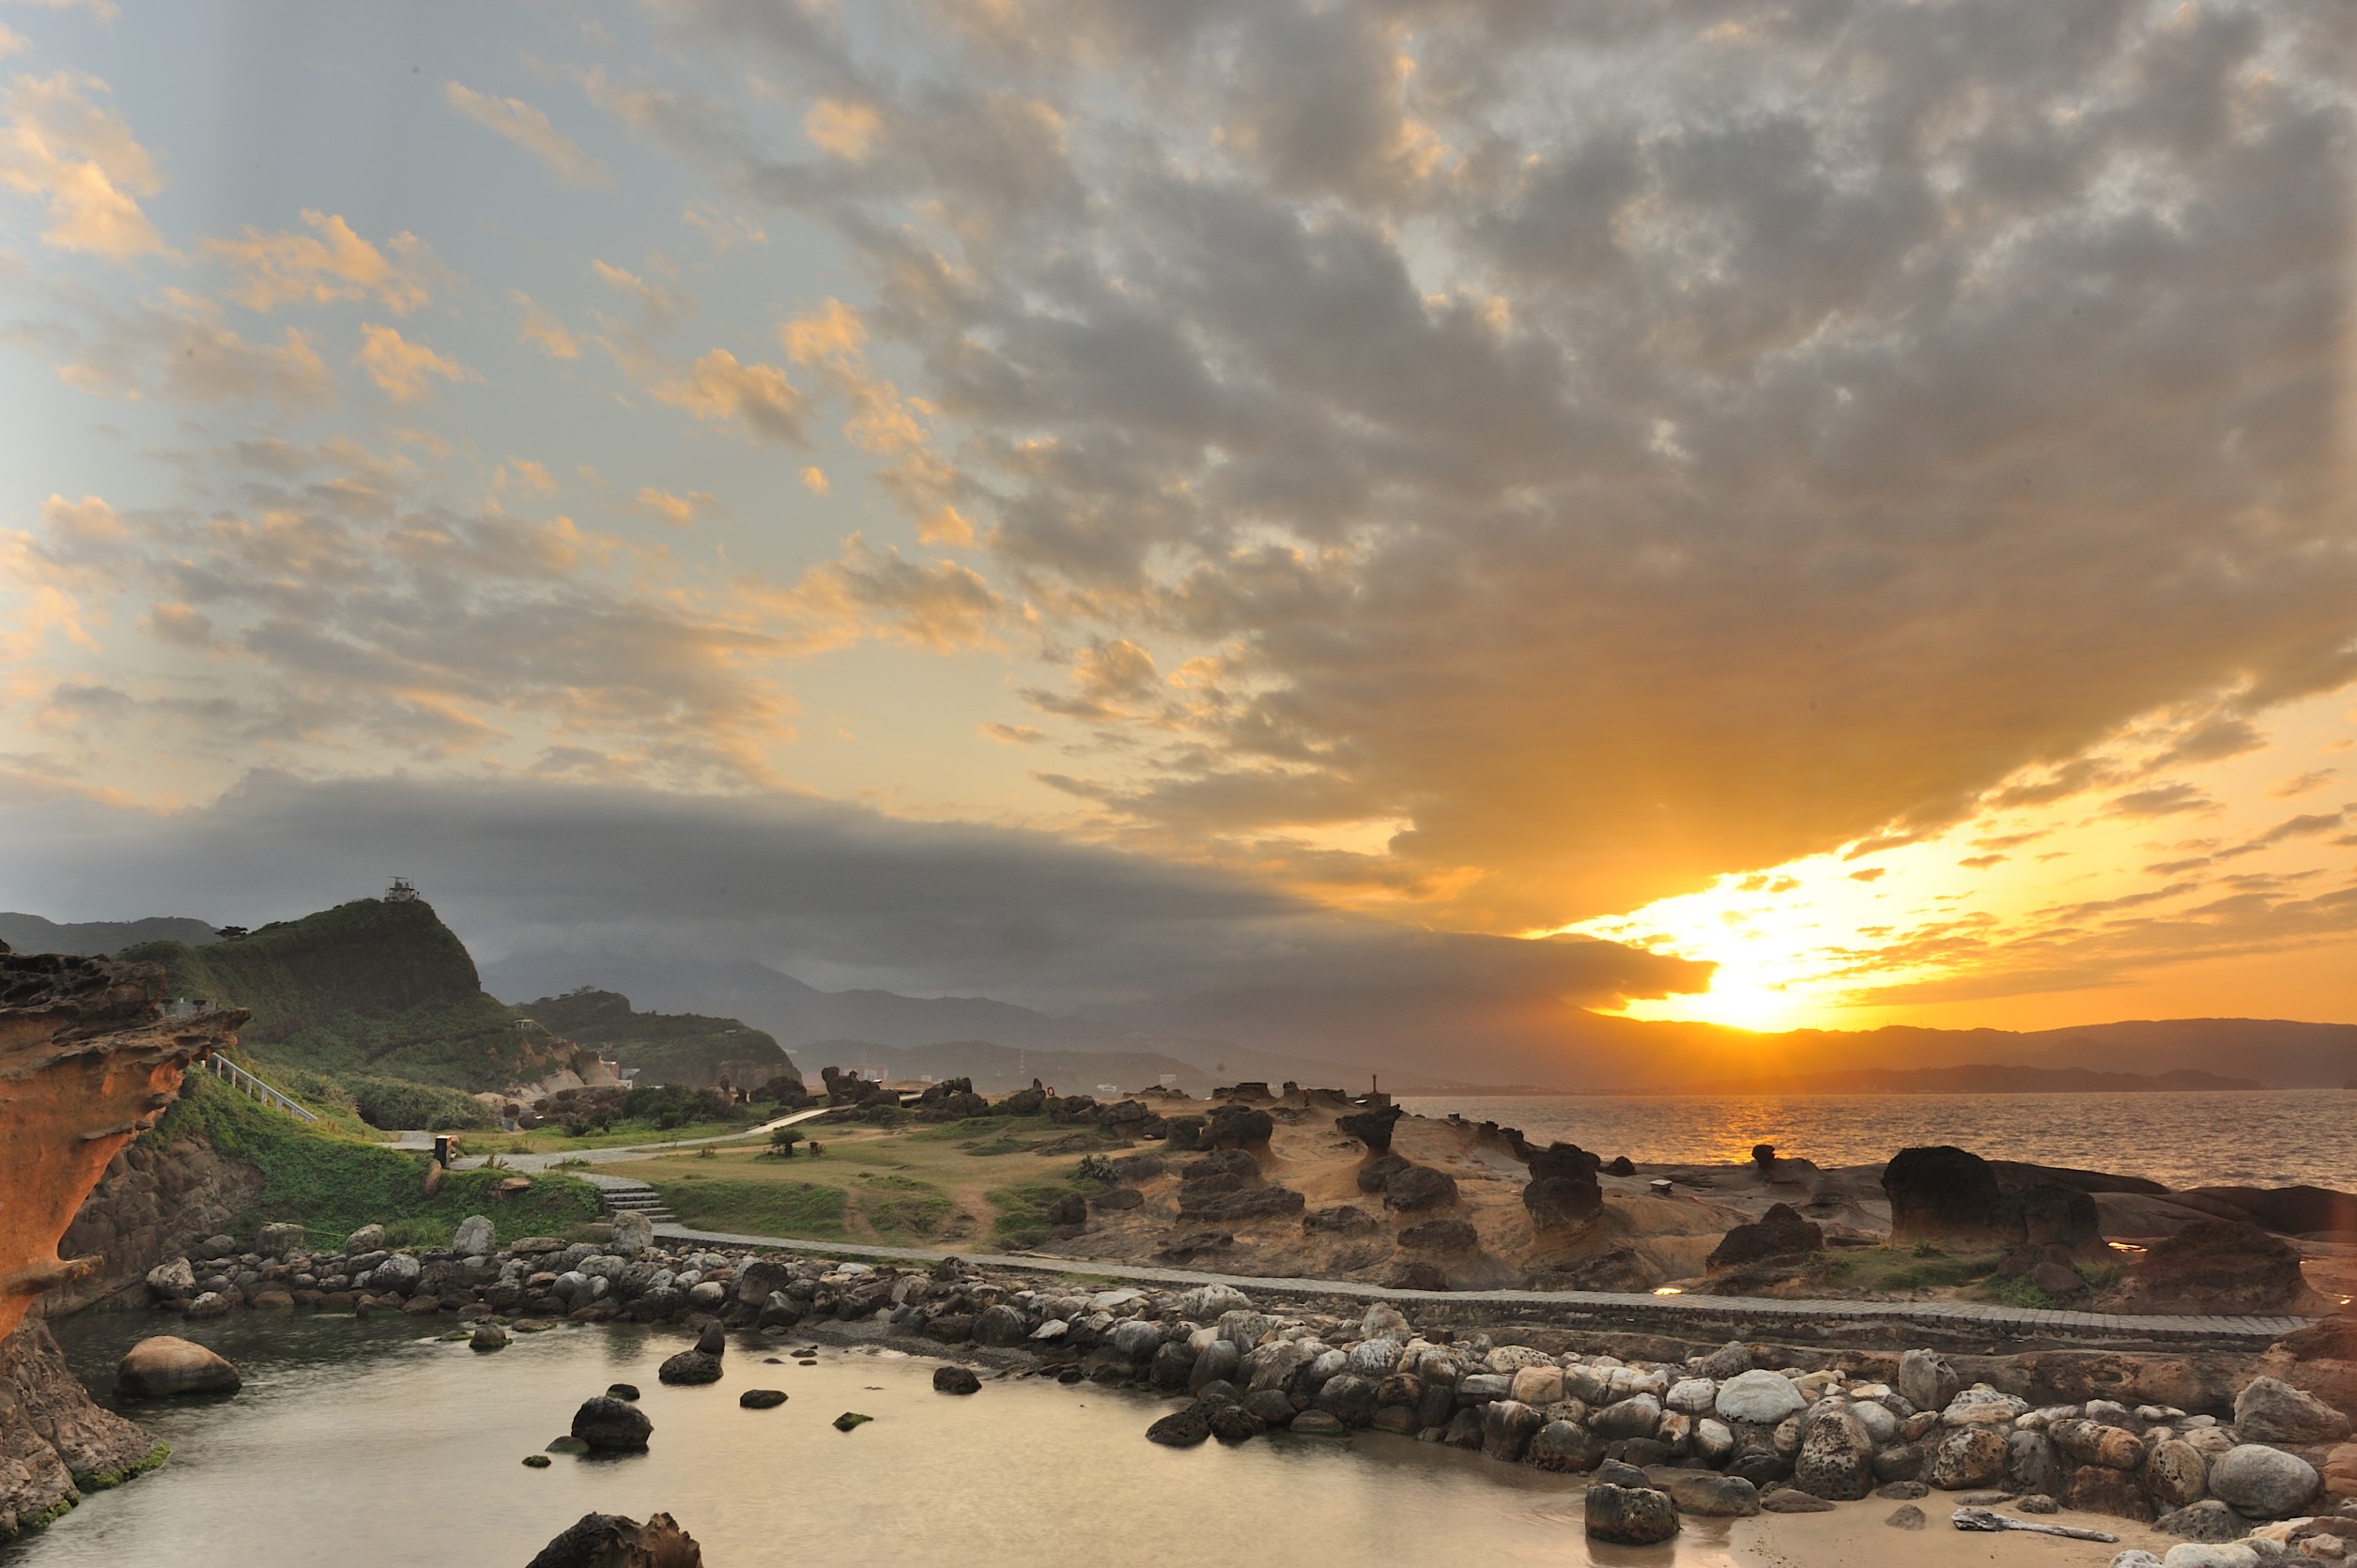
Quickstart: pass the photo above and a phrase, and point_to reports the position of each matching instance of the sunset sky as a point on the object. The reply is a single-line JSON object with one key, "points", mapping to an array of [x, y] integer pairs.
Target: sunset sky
{"points": [[1856, 493]]}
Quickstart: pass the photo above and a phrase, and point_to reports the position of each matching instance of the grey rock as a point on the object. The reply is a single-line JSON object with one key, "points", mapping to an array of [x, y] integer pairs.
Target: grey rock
{"points": [[2272, 1411], [474, 1238], [1507, 1427], [2263, 1483], [1761, 1398], [1563, 1445], [633, 1234], [611, 1425], [1717, 1496], [2207, 1520], [1630, 1515], [1637, 1417], [1905, 1517], [1926, 1382], [1835, 1459]]}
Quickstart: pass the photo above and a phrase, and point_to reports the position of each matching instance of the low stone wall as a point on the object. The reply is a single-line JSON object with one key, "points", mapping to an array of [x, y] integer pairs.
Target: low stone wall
{"points": [[1732, 1430]]}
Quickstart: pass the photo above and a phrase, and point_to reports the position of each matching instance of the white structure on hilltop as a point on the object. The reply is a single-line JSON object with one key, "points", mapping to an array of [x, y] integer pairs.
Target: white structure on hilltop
{"points": [[401, 892]]}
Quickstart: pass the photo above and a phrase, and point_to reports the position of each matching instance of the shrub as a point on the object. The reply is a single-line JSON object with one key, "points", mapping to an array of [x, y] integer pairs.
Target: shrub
{"points": [[783, 1138], [670, 1105], [397, 1104], [419, 1231]]}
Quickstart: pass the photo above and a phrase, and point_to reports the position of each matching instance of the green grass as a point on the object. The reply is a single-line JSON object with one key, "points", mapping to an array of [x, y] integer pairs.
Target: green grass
{"points": [[333, 1185], [2017, 1293], [759, 1208], [1022, 1220], [902, 1206]]}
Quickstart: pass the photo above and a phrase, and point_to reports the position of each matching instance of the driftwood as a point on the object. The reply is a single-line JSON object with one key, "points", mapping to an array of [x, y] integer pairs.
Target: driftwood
{"points": [[1982, 1518]]}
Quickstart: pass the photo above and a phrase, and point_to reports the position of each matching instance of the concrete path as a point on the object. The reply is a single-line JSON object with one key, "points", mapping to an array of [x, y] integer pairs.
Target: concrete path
{"points": [[423, 1143], [1620, 1309]]}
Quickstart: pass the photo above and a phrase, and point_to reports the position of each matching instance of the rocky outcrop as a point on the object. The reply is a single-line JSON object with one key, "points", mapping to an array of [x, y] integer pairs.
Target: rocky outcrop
{"points": [[611, 1541], [2216, 1265], [1781, 1233], [1947, 1196], [87, 1062], [152, 1204]]}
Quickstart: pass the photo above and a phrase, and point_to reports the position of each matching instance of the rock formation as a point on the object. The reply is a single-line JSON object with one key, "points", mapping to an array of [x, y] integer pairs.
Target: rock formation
{"points": [[611, 1541], [87, 1062]]}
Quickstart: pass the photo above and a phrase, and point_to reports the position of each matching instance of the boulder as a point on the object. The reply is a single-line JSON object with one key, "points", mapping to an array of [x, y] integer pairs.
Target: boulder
{"points": [[487, 1336], [398, 1273], [955, 1379], [1001, 1325], [1836, 1458], [173, 1280], [612, 1541], [474, 1238], [1761, 1398], [633, 1234], [2220, 1266], [1420, 1187], [1638, 1416], [2207, 1520], [2263, 1483], [1715, 1497], [2032, 1467], [2175, 1475], [1945, 1195], [2232, 1554], [1563, 1445], [768, 1399], [2272, 1411], [1187, 1428], [1926, 1382], [1966, 1458], [2100, 1489], [1507, 1427], [1343, 1217], [368, 1238], [1630, 1515], [690, 1367], [1348, 1398], [1778, 1233], [610, 1426], [1562, 1192], [279, 1240], [162, 1365]]}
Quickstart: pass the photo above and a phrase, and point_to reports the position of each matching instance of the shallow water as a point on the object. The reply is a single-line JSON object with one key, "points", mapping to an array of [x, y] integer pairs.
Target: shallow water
{"points": [[2260, 1138], [354, 1444]]}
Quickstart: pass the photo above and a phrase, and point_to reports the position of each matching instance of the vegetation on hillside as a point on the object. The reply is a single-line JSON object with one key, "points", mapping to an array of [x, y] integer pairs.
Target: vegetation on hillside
{"points": [[331, 1184], [365, 990], [667, 1048]]}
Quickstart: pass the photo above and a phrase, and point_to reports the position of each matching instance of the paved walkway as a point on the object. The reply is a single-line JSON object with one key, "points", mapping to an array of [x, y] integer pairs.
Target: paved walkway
{"points": [[423, 1143], [1622, 1309]]}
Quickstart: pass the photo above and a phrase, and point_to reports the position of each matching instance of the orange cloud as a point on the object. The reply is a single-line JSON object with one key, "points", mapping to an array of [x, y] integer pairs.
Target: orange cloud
{"points": [[61, 145], [404, 370]]}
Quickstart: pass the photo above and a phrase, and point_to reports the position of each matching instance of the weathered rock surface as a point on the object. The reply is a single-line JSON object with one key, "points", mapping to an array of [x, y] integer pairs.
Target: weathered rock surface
{"points": [[1781, 1233], [87, 1062], [1630, 1515], [2263, 1483], [1945, 1195], [2272, 1411], [612, 1541], [2225, 1267], [610, 1426], [161, 1365]]}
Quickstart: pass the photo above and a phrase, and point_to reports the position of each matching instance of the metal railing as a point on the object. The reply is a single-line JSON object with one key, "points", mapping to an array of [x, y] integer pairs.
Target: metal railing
{"points": [[253, 1087]]}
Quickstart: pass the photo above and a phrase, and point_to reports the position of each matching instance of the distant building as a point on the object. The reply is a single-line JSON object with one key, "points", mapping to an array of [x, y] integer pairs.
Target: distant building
{"points": [[401, 892]]}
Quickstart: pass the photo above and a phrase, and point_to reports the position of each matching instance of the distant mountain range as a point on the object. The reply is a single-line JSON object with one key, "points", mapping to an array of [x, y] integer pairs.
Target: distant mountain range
{"points": [[30, 933], [1418, 1033], [1985, 1078]]}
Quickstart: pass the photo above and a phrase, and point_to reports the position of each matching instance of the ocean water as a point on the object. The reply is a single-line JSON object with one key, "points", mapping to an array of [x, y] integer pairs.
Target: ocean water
{"points": [[2256, 1138], [356, 1443]]}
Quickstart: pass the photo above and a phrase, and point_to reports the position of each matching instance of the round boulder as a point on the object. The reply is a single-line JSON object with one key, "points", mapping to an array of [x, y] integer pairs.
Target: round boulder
{"points": [[163, 1366], [2263, 1483], [1837, 1459], [1761, 1398], [1966, 1458], [955, 1379], [611, 1426]]}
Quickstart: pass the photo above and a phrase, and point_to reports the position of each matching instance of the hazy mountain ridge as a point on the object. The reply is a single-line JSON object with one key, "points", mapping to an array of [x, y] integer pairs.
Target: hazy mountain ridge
{"points": [[696, 1049], [32, 934]]}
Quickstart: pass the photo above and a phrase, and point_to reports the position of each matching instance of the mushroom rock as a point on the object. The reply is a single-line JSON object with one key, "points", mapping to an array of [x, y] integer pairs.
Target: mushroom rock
{"points": [[1563, 1191], [1371, 1127], [88, 1061], [1945, 1194]]}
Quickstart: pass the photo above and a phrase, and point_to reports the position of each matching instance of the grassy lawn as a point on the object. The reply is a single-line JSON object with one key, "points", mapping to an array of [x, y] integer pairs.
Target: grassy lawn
{"points": [[957, 1182], [554, 1139]]}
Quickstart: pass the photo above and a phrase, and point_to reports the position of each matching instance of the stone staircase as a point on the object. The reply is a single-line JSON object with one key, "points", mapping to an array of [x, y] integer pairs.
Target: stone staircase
{"points": [[620, 1194]]}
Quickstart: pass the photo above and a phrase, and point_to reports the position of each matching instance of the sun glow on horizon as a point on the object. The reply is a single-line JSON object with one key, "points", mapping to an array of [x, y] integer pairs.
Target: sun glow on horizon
{"points": [[2072, 893]]}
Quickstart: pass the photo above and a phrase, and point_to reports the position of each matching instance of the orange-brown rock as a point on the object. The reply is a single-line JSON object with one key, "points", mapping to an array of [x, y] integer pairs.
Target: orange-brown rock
{"points": [[88, 1061]]}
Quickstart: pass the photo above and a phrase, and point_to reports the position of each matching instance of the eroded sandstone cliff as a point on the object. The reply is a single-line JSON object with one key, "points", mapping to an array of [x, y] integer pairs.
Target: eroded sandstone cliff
{"points": [[88, 1060]]}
